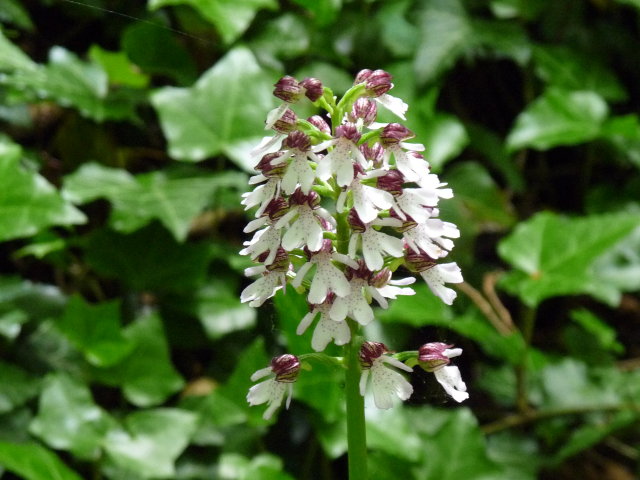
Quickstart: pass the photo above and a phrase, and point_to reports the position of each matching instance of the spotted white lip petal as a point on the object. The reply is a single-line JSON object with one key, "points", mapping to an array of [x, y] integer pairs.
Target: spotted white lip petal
{"points": [[306, 322], [328, 330], [387, 383], [451, 380], [394, 104]]}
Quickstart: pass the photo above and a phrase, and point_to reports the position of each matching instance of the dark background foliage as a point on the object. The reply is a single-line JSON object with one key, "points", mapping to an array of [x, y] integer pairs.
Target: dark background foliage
{"points": [[124, 350]]}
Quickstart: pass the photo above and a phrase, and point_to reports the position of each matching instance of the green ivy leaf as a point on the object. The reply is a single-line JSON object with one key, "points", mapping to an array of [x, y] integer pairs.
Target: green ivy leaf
{"points": [[68, 418], [233, 466], [138, 200], [28, 202], [230, 17], [118, 68], [147, 375], [150, 441], [554, 255], [157, 51], [95, 331], [222, 112], [559, 117], [452, 446], [11, 11], [17, 387], [324, 12], [34, 462], [445, 32], [148, 259], [220, 311], [66, 79], [569, 69]]}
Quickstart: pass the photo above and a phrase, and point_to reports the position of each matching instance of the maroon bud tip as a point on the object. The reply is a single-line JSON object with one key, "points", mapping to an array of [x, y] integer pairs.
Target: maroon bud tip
{"points": [[298, 140], [355, 223], [380, 279], [349, 131], [280, 263], [286, 368], [288, 89], [431, 356], [377, 82], [276, 208], [269, 165], [394, 133], [320, 123], [313, 88], [418, 261], [391, 182], [374, 153], [369, 351], [364, 109], [287, 122]]}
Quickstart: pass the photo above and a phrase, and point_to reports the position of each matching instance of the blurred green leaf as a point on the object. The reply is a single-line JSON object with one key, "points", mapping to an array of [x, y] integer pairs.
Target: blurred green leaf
{"points": [[11, 323], [604, 334], [283, 38], [559, 117], [118, 67], [444, 35], [231, 18], [95, 331], [586, 436], [391, 431], [224, 110], [34, 462], [572, 70], [150, 441], [624, 134], [264, 466], [478, 199], [571, 384], [397, 33], [156, 51], [516, 453], [554, 255], [216, 414], [251, 359], [147, 375], [324, 11], [175, 202], [220, 310], [68, 418], [148, 259], [17, 387], [452, 446], [11, 11], [28, 202], [65, 79], [445, 138]]}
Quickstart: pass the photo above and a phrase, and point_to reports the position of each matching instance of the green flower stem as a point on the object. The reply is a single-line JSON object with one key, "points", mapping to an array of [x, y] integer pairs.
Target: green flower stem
{"points": [[356, 428]]}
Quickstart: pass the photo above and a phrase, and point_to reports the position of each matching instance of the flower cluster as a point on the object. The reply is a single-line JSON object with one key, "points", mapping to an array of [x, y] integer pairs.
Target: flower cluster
{"points": [[341, 202]]}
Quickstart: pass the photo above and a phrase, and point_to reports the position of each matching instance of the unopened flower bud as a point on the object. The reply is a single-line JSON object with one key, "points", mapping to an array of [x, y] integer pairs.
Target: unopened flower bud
{"points": [[286, 368], [298, 197], [280, 264], [270, 167], [395, 133], [377, 82], [431, 356], [276, 208], [313, 88], [349, 131], [355, 223], [298, 140], [320, 123], [407, 224], [361, 272], [364, 109], [391, 182], [418, 261], [288, 89], [373, 153], [287, 122], [369, 351], [380, 279]]}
